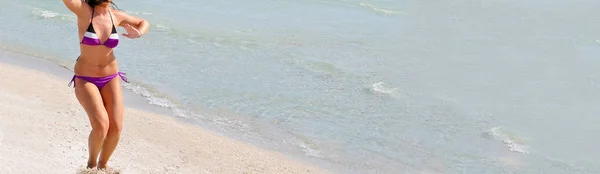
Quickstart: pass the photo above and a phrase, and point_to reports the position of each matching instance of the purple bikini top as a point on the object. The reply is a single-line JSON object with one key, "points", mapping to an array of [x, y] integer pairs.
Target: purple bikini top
{"points": [[90, 37]]}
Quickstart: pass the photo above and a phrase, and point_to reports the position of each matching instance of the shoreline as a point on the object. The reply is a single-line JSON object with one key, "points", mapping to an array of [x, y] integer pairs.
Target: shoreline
{"points": [[64, 74], [148, 131]]}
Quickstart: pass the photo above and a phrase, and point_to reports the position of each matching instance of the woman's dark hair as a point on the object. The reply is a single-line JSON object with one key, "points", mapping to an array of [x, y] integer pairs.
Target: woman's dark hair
{"points": [[94, 3]]}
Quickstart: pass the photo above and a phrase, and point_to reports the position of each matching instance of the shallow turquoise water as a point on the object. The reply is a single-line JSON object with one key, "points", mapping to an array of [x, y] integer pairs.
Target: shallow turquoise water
{"points": [[493, 86]]}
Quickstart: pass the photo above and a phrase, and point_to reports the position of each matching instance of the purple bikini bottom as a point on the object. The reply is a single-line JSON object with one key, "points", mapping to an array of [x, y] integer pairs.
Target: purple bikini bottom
{"points": [[100, 82]]}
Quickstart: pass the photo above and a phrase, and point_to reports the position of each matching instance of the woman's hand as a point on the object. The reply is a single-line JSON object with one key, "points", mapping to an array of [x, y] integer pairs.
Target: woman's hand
{"points": [[134, 26], [132, 32]]}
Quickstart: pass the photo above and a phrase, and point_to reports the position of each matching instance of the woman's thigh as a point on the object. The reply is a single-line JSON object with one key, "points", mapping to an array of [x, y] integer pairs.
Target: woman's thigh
{"points": [[113, 101], [91, 100]]}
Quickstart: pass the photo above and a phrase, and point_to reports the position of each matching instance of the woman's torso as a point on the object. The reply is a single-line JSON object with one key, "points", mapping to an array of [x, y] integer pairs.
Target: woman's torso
{"points": [[96, 60]]}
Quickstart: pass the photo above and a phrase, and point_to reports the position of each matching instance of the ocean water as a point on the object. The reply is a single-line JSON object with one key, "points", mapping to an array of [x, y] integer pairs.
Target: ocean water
{"points": [[370, 86]]}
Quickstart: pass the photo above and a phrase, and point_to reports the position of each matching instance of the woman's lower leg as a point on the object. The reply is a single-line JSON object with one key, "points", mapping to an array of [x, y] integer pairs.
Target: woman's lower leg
{"points": [[110, 144], [95, 141]]}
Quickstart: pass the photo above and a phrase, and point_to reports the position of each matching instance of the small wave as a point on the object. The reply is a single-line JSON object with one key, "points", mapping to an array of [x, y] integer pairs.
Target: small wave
{"points": [[163, 27], [47, 14], [385, 89], [321, 67], [514, 143], [139, 13], [307, 145], [309, 151], [380, 10], [217, 44], [154, 100]]}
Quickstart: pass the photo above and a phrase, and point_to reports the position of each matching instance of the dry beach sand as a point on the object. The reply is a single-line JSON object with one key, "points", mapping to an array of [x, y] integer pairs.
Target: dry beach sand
{"points": [[43, 129]]}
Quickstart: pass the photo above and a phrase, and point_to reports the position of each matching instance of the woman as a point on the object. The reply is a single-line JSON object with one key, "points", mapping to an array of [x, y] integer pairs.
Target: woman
{"points": [[97, 87]]}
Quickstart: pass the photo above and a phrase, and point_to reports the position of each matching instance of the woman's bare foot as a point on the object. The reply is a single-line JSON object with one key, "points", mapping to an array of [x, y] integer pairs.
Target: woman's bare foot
{"points": [[91, 164], [107, 169], [103, 167]]}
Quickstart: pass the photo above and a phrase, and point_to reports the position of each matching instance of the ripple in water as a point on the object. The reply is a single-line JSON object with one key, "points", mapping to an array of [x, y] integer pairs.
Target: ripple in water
{"points": [[514, 143], [382, 88], [47, 14], [378, 9], [154, 100]]}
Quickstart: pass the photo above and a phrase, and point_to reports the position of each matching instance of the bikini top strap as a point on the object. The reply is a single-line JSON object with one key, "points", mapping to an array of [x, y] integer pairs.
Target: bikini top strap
{"points": [[111, 20], [114, 30]]}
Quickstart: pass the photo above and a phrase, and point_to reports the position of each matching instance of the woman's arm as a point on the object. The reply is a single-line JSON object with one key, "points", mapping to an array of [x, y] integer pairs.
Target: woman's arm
{"points": [[76, 6], [140, 25]]}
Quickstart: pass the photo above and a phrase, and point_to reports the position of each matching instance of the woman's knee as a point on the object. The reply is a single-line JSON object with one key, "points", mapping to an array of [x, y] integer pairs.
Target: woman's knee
{"points": [[115, 128], [100, 125]]}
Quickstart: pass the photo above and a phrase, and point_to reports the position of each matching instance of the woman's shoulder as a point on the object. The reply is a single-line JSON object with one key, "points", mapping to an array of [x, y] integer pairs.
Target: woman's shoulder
{"points": [[124, 16], [119, 12]]}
